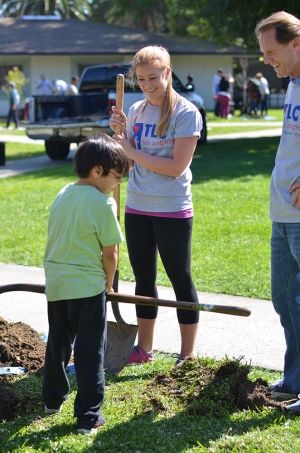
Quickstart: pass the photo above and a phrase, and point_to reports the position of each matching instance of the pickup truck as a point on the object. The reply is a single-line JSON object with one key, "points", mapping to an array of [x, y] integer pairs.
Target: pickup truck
{"points": [[61, 119]]}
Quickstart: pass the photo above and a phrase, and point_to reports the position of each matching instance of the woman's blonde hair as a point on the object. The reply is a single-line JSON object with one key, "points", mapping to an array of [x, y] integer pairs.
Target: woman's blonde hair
{"points": [[148, 55]]}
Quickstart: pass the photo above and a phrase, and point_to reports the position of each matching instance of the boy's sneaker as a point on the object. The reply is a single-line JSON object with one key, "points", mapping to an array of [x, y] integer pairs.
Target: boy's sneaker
{"points": [[138, 355], [279, 392], [88, 430], [50, 411]]}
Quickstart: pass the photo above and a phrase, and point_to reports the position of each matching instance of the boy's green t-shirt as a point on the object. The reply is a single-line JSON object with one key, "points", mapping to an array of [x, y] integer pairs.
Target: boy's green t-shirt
{"points": [[81, 221]]}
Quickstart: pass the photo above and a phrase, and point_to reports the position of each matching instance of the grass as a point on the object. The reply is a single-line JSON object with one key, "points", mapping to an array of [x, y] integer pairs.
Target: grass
{"points": [[23, 150], [273, 114], [217, 130], [231, 225], [134, 425], [5, 131]]}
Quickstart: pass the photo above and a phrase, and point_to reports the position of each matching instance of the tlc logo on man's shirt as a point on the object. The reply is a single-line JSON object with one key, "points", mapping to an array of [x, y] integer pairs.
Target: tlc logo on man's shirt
{"points": [[291, 112]]}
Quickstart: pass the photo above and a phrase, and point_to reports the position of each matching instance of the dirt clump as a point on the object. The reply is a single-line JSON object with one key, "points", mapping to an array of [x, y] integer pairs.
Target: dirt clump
{"points": [[207, 388], [21, 346]]}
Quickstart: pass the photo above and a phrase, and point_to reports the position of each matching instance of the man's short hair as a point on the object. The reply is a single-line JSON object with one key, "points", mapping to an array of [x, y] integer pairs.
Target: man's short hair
{"points": [[103, 151], [287, 26]]}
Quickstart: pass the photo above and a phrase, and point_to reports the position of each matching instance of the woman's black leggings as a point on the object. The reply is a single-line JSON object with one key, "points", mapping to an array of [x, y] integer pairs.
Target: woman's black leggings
{"points": [[172, 238]]}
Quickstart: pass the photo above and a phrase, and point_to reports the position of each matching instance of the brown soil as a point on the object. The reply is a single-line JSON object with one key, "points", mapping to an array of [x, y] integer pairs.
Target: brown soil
{"points": [[210, 390], [20, 346]]}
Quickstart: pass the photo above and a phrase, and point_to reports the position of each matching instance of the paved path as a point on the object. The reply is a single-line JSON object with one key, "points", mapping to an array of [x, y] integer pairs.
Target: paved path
{"points": [[258, 338]]}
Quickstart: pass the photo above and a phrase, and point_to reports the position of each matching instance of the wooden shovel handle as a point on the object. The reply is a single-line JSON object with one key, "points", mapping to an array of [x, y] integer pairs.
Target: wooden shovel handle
{"points": [[119, 105], [116, 192], [119, 97], [140, 300], [144, 300]]}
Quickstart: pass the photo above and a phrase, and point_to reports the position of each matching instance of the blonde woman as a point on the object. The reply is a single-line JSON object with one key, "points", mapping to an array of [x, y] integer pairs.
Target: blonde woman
{"points": [[160, 137]]}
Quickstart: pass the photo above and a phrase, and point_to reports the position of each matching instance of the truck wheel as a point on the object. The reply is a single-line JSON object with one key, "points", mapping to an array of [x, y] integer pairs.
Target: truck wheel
{"points": [[56, 149]]}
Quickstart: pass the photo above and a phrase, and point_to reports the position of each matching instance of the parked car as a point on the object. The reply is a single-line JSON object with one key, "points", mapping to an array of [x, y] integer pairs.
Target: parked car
{"points": [[62, 120]]}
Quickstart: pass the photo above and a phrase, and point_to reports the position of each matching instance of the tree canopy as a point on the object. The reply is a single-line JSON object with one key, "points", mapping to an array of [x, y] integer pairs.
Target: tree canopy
{"points": [[227, 22]]}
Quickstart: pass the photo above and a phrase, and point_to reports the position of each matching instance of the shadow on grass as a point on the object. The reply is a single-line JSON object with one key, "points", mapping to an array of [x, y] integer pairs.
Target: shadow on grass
{"points": [[141, 433], [234, 159], [154, 431]]}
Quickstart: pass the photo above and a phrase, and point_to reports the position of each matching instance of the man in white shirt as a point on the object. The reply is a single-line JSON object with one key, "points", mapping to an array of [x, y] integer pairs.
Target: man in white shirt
{"points": [[264, 92]]}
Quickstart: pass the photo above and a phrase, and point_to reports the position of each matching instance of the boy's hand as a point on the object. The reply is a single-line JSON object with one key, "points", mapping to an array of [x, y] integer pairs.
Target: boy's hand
{"points": [[110, 262], [109, 290]]}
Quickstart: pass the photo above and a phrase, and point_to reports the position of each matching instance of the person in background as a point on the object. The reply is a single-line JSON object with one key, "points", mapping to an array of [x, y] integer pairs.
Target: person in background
{"points": [[59, 87], [72, 88], [44, 86], [80, 263], [14, 103], [224, 97], [215, 89], [160, 137], [279, 41], [253, 96], [190, 83], [264, 93]]}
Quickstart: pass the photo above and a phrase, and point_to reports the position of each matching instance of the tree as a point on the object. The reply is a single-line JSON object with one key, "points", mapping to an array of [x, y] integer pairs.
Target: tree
{"points": [[228, 22], [75, 9], [17, 76]]}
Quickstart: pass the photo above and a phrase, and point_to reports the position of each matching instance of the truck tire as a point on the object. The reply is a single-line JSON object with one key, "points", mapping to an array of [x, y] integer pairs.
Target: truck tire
{"points": [[57, 149]]}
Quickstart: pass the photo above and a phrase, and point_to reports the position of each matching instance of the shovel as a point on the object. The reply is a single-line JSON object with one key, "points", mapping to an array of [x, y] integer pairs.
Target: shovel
{"points": [[120, 335]]}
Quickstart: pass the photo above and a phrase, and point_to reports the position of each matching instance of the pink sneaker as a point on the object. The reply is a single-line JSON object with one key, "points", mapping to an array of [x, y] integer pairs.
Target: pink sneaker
{"points": [[138, 355]]}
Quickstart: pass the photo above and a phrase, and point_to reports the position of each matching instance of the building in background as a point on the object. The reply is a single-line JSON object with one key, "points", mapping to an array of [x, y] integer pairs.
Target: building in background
{"points": [[63, 48]]}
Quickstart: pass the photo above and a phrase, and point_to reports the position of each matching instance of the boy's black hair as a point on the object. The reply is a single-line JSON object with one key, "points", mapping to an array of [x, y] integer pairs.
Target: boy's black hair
{"points": [[102, 150]]}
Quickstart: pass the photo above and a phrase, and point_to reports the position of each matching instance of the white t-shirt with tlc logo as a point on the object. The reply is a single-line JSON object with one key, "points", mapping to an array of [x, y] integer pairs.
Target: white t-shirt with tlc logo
{"points": [[287, 163], [150, 191]]}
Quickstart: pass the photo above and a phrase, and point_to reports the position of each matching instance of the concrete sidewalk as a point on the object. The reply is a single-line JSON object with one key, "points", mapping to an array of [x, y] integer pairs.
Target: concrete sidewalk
{"points": [[258, 338]]}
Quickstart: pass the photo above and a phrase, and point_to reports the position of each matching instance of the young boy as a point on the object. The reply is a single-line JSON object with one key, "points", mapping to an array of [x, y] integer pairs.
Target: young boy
{"points": [[80, 262]]}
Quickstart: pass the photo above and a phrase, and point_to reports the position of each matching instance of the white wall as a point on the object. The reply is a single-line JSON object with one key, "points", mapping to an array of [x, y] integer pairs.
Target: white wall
{"points": [[202, 67], [54, 67]]}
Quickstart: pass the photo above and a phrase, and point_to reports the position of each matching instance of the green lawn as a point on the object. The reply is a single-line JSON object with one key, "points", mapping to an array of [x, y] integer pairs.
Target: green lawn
{"points": [[231, 225], [22, 150], [273, 115], [217, 130], [5, 131], [142, 417]]}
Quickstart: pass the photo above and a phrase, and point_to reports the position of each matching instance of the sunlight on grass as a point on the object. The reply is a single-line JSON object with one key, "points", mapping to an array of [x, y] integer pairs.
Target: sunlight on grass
{"points": [[23, 150], [134, 421], [231, 224]]}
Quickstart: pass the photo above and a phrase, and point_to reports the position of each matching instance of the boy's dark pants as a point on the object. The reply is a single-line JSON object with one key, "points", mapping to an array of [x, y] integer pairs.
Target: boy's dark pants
{"points": [[85, 321]]}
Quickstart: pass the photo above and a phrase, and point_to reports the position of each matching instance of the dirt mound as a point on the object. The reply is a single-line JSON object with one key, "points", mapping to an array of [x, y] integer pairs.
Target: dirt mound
{"points": [[21, 346], [210, 389]]}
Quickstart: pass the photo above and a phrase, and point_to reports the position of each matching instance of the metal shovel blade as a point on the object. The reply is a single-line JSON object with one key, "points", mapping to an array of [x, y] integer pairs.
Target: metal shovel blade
{"points": [[120, 341]]}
